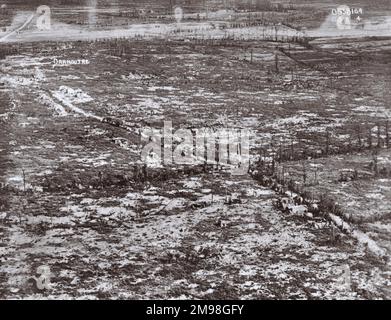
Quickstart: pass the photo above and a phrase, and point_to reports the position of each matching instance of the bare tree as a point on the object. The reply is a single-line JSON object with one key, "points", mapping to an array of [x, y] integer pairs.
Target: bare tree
{"points": [[370, 138], [375, 162], [359, 136], [378, 135], [327, 142]]}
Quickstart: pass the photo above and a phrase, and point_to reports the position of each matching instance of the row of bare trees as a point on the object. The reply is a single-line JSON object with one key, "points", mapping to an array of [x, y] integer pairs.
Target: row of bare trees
{"points": [[376, 138]]}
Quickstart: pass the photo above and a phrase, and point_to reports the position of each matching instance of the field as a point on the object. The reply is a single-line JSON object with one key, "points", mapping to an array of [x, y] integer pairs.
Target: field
{"points": [[75, 195]]}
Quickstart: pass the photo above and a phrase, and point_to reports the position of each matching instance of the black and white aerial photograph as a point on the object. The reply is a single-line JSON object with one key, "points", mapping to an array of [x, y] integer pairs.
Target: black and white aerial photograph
{"points": [[195, 150]]}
